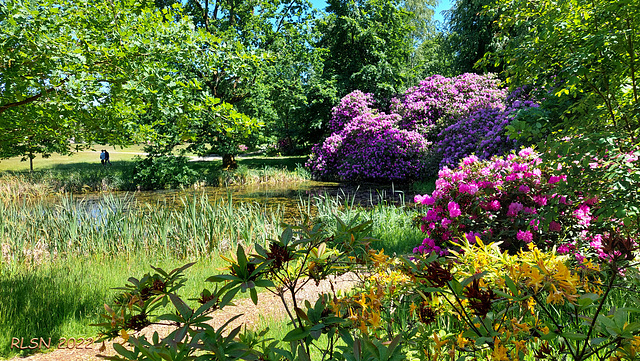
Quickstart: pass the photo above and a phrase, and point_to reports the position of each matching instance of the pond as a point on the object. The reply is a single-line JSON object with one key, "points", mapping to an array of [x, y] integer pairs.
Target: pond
{"points": [[286, 196]]}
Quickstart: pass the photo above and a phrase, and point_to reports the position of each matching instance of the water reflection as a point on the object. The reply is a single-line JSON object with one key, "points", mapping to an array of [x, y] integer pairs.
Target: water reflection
{"points": [[288, 197]]}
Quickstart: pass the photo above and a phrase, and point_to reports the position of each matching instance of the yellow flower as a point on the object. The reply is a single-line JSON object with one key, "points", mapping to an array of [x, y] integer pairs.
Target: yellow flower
{"points": [[362, 301], [535, 278], [521, 346], [499, 352], [462, 342], [124, 335], [438, 343], [555, 296], [335, 307], [379, 259], [352, 317], [566, 280], [412, 308], [363, 327], [544, 330], [519, 327], [375, 320]]}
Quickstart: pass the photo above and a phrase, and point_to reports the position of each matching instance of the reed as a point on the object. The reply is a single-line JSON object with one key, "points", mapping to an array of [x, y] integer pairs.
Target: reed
{"points": [[36, 232], [392, 223], [263, 175]]}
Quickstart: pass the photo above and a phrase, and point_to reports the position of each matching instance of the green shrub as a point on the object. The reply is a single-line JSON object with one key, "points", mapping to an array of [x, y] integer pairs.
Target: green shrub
{"points": [[164, 171]]}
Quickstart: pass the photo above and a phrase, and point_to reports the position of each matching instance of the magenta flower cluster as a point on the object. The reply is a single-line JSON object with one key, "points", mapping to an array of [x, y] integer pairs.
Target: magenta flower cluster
{"points": [[512, 200]]}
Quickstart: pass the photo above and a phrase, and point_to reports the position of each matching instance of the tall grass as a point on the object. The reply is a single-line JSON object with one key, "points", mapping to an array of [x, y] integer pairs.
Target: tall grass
{"points": [[263, 175], [34, 232], [392, 224]]}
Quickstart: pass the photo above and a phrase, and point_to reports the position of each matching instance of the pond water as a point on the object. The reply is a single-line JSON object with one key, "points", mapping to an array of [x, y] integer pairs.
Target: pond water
{"points": [[287, 196]]}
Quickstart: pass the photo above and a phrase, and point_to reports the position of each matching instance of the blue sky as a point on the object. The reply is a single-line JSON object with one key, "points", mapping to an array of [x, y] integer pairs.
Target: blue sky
{"points": [[444, 5]]}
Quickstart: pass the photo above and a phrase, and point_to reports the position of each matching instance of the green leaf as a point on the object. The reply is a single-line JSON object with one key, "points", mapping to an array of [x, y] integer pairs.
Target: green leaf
{"points": [[182, 307], [573, 336], [123, 351], [254, 295], [296, 334], [472, 278]]}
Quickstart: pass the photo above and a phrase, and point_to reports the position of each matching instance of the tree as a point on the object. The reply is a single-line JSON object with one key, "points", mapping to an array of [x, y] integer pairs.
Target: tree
{"points": [[472, 33], [581, 51], [367, 46], [86, 70]]}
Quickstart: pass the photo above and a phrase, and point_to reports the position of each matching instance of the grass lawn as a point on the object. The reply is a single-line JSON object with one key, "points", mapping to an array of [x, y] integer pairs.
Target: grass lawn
{"points": [[89, 157]]}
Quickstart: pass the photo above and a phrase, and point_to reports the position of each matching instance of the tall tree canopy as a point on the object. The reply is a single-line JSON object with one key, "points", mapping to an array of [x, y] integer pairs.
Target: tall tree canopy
{"points": [[473, 32], [582, 51], [367, 45], [279, 32], [88, 69]]}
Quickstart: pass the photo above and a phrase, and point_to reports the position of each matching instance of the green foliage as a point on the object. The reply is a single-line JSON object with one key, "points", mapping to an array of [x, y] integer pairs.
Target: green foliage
{"points": [[472, 34], [367, 46], [163, 171], [604, 166], [105, 73], [300, 255], [62, 298], [585, 52]]}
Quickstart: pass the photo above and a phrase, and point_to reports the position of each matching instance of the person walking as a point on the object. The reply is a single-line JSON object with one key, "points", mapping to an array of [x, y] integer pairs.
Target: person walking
{"points": [[103, 156], [106, 158]]}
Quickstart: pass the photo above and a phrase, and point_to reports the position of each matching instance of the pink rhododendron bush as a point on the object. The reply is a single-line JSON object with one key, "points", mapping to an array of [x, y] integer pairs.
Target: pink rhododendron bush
{"points": [[515, 200]]}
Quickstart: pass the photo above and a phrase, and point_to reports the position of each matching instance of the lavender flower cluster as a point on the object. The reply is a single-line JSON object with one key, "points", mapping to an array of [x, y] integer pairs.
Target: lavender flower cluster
{"points": [[481, 133], [441, 100], [351, 106]]}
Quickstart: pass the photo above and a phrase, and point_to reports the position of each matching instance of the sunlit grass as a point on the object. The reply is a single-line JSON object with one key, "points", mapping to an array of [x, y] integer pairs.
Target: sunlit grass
{"points": [[83, 172], [90, 156]]}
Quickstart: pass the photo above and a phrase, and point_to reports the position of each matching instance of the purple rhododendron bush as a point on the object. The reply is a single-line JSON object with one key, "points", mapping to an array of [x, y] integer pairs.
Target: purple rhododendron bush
{"points": [[440, 100], [371, 147], [516, 200], [482, 133], [433, 124]]}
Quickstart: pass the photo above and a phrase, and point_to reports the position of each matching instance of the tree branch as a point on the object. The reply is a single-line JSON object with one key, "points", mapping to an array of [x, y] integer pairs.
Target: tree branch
{"points": [[30, 99]]}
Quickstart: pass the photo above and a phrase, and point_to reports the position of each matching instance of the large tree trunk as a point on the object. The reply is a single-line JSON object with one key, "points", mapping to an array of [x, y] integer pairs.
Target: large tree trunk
{"points": [[229, 162]]}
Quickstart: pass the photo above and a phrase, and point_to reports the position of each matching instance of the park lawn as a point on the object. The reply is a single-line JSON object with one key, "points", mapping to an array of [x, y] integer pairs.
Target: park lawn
{"points": [[60, 161]]}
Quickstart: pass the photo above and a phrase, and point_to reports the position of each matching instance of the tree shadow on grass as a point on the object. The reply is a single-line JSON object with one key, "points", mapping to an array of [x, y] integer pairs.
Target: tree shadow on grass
{"points": [[36, 304]]}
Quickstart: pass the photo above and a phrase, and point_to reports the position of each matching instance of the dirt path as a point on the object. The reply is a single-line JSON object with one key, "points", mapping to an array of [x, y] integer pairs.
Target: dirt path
{"points": [[269, 306]]}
